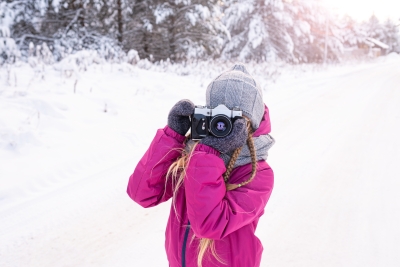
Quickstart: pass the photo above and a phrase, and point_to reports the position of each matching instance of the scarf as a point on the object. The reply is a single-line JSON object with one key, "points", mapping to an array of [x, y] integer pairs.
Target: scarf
{"points": [[262, 144]]}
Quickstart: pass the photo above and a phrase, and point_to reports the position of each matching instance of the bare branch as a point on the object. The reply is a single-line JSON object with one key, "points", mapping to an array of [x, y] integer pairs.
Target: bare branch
{"points": [[22, 39], [78, 12]]}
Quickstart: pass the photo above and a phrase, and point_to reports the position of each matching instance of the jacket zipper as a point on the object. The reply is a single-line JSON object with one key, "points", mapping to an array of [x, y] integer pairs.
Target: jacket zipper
{"points": [[184, 245]]}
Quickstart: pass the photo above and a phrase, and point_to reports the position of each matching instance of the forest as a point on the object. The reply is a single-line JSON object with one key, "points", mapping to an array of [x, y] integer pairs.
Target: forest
{"points": [[293, 31]]}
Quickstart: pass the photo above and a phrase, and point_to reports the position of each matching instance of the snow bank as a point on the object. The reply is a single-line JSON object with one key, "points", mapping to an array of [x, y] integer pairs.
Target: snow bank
{"points": [[393, 56], [50, 121]]}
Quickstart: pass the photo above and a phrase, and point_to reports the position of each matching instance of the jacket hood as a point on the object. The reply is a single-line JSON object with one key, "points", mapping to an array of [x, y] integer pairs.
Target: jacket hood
{"points": [[265, 124]]}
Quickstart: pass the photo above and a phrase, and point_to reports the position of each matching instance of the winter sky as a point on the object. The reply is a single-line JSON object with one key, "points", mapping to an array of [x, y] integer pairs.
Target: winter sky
{"points": [[363, 9]]}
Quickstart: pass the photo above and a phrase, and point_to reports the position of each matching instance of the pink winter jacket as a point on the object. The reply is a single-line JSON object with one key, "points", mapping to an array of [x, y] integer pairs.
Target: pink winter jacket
{"points": [[205, 208]]}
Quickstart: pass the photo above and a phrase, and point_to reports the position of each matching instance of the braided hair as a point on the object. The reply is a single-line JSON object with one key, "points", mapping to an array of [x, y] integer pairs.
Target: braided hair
{"points": [[250, 144]]}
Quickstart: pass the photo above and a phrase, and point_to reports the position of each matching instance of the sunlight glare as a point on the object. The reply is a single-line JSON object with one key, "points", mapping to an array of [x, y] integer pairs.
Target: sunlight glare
{"points": [[363, 9]]}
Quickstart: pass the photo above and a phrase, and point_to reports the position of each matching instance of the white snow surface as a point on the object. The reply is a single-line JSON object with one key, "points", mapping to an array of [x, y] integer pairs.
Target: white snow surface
{"points": [[65, 164]]}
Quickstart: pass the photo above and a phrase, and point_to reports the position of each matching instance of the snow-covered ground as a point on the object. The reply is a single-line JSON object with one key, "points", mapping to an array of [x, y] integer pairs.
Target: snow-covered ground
{"points": [[68, 146]]}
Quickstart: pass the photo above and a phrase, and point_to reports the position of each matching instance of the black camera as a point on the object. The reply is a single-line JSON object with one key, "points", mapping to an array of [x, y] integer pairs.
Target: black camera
{"points": [[217, 121]]}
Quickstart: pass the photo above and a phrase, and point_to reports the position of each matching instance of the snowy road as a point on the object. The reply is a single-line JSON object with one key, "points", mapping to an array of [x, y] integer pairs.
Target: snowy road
{"points": [[335, 201]]}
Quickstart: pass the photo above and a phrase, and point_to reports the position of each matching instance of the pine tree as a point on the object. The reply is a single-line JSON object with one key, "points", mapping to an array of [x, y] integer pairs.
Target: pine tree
{"points": [[373, 28], [317, 33], [9, 51], [391, 36], [294, 31], [175, 29], [300, 31], [258, 30], [353, 34]]}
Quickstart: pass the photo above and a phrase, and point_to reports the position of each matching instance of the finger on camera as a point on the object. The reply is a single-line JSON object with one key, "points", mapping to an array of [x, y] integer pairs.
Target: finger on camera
{"points": [[239, 126], [238, 136], [183, 107]]}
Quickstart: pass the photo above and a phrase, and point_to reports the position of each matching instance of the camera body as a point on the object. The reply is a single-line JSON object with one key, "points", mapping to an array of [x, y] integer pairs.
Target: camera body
{"points": [[217, 121]]}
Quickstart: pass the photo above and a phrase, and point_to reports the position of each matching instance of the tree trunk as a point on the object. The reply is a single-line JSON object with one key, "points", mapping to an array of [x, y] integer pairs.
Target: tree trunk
{"points": [[119, 21], [172, 39]]}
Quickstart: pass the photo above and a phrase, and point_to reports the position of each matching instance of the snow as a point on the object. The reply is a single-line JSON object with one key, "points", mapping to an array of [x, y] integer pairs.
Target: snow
{"points": [[393, 56], [147, 25], [191, 17], [305, 27], [68, 146], [162, 12], [377, 42], [56, 5], [6, 19], [203, 11], [256, 31]]}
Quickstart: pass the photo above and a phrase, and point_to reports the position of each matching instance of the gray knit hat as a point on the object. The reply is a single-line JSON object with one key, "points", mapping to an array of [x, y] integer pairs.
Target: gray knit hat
{"points": [[236, 88]]}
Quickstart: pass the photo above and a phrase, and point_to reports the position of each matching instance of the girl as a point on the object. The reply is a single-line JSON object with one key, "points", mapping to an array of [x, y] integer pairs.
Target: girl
{"points": [[219, 186]]}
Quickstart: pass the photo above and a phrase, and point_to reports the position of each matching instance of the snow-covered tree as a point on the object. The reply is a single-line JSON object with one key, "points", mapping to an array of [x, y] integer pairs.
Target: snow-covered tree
{"points": [[9, 51], [294, 31], [373, 28], [175, 29], [316, 33], [300, 31], [258, 30], [353, 33], [392, 36], [75, 25], [291, 30]]}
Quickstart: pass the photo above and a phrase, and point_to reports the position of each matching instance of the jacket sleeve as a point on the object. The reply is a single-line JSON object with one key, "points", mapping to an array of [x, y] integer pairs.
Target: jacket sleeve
{"points": [[147, 185], [213, 211]]}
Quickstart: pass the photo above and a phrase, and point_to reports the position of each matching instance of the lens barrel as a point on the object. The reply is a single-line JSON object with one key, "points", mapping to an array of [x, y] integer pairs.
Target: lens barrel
{"points": [[220, 125]]}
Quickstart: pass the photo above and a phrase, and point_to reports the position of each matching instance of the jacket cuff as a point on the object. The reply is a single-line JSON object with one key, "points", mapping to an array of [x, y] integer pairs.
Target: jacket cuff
{"points": [[207, 149], [178, 137]]}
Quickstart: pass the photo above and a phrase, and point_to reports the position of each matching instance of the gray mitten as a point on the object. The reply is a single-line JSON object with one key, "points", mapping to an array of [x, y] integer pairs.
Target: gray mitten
{"points": [[237, 138], [178, 117]]}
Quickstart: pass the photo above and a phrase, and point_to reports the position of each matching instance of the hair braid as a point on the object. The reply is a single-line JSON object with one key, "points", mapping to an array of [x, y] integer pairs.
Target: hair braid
{"points": [[250, 144], [231, 163]]}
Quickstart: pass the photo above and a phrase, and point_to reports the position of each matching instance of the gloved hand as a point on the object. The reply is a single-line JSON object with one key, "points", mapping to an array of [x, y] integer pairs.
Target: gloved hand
{"points": [[237, 138], [178, 117]]}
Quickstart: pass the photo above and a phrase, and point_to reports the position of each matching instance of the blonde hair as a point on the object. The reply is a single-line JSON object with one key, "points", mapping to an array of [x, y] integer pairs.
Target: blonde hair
{"points": [[177, 172]]}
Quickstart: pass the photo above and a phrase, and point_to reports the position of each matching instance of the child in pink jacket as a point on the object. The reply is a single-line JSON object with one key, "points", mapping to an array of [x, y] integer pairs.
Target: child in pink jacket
{"points": [[219, 185]]}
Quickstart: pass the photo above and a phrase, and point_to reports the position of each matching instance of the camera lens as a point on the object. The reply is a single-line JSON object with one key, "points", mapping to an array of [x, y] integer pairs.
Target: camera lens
{"points": [[220, 126]]}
